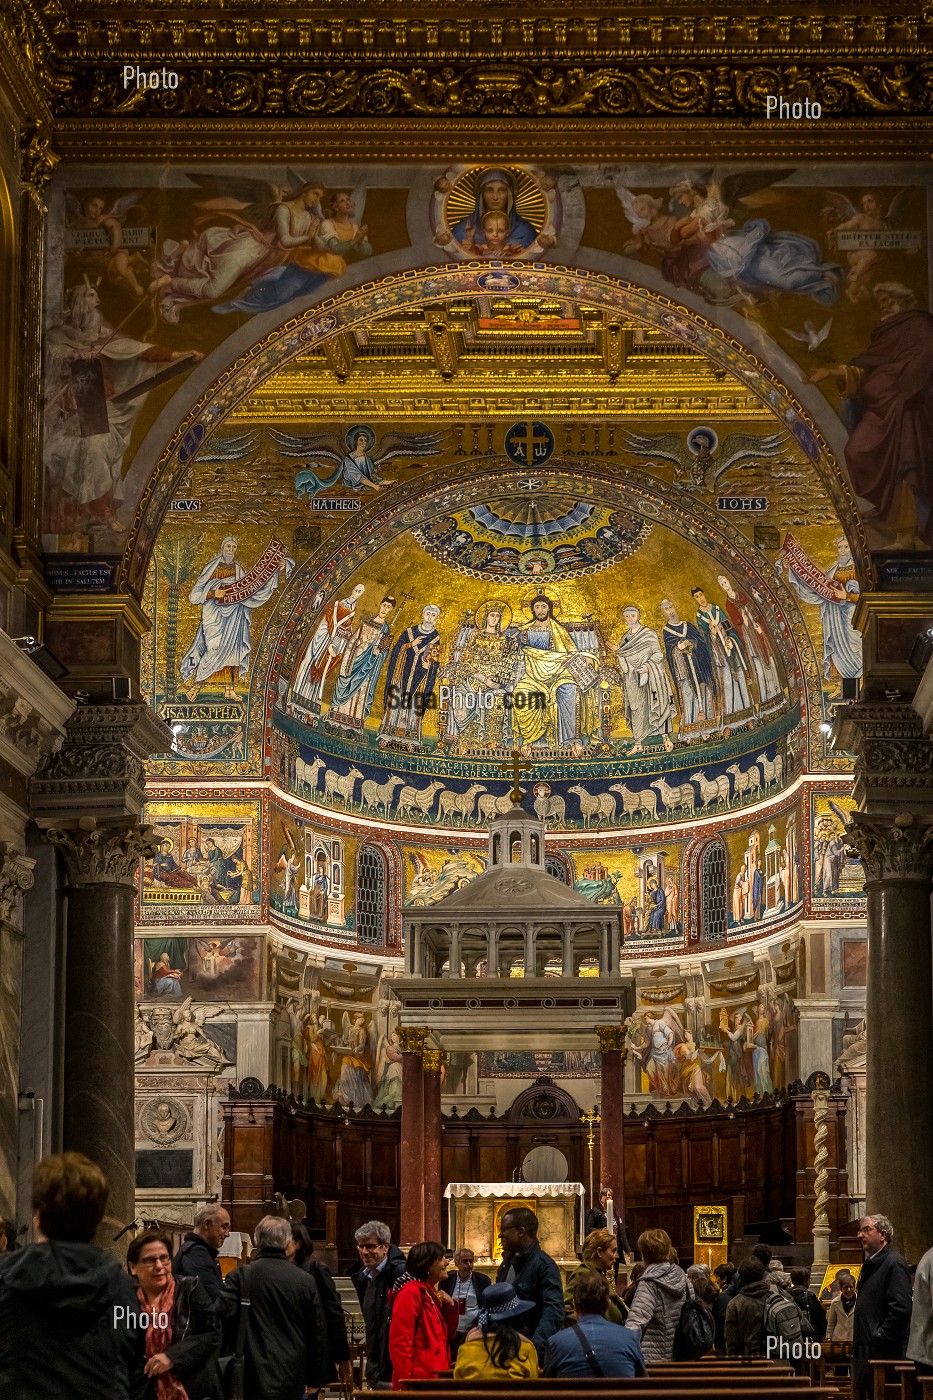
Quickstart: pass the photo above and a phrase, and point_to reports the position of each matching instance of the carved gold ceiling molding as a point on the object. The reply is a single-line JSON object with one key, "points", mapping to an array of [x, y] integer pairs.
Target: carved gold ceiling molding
{"points": [[420, 59], [407, 139]]}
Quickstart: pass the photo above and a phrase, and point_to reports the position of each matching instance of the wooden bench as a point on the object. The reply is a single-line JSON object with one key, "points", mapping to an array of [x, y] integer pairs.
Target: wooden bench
{"points": [[892, 1380], [735, 1380], [715, 1388]]}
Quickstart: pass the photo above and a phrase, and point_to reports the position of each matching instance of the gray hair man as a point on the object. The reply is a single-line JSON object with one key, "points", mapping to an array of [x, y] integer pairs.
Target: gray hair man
{"points": [[882, 1307], [381, 1264], [285, 1350], [200, 1248]]}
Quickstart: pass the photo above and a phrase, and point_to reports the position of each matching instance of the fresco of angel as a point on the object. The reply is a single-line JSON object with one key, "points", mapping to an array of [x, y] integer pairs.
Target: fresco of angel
{"points": [[258, 246], [869, 216], [706, 463], [661, 1033], [89, 211], [387, 1075], [351, 461], [709, 246], [356, 1051]]}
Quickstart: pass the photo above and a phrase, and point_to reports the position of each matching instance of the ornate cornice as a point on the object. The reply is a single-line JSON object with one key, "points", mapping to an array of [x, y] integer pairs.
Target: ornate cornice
{"points": [[412, 1039], [895, 758], [99, 771], [38, 159], [33, 711], [893, 847], [16, 876], [102, 855]]}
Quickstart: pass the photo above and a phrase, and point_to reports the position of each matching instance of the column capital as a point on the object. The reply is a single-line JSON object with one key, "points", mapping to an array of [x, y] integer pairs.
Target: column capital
{"points": [[16, 876], [412, 1039], [100, 769], [893, 847], [102, 855], [612, 1038], [433, 1060]]}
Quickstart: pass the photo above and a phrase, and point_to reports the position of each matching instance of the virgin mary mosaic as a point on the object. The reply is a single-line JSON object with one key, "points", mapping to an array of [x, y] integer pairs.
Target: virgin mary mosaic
{"points": [[496, 212]]}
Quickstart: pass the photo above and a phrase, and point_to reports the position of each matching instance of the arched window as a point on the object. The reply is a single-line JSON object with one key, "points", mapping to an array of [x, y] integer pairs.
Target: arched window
{"points": [[556, 867], [372, 908], [714, 906]]}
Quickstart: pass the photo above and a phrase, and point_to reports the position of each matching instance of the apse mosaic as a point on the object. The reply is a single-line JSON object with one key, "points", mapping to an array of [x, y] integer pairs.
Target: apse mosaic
{"points": [[826, 278], [206, 868]]}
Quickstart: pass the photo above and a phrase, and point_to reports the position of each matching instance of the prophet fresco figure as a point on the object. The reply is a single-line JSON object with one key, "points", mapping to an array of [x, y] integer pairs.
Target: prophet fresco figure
{"points": [[484, 663], [566, 676], [728, 659], [221, 647], [755, 641], [888, 409], [835, 593], [165, 979], [691, 669], [409, 686], [646, 689], [325, 648], [94, 395], [363, 659], [739, 1075]]}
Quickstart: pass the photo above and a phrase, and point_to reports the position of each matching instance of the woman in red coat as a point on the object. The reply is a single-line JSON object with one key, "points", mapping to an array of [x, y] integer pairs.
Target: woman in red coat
{"points": [[423, 1320]]}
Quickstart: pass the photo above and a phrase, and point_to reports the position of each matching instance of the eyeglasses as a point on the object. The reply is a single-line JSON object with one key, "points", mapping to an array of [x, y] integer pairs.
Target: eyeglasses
{"points": [[157, 1261]]}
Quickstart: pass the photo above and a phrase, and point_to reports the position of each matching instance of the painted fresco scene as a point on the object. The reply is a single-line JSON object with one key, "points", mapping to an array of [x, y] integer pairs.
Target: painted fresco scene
{"points": [[148, 278], [206, 967]]}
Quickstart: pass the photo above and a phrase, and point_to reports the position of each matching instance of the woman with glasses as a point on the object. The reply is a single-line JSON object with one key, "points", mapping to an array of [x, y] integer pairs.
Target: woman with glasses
{"points": [[183, 1336]]}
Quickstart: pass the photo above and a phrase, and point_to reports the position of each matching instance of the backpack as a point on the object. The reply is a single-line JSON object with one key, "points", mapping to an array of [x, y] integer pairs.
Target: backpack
{"points": [[782, 1318], [696, 1331]]}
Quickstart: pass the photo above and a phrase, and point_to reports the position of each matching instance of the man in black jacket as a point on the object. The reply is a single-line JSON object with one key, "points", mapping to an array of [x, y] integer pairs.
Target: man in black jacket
{"points": [[883, 1303], [286, 1341], [69, 1323], [533, 1274], [198, 1253], [381, 1264], [808, 1303]]}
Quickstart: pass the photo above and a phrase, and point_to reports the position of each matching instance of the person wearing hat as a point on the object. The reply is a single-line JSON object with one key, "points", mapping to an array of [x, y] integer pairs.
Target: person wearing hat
{"points": [[495, 1349]]}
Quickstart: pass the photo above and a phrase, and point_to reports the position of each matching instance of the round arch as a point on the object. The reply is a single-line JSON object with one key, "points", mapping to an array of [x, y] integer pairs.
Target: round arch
{"points": [[357, 305]]}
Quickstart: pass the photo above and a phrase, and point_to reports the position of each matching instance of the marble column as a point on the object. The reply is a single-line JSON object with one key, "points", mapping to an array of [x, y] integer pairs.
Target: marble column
{"points": [[433, 1061], [612, 1048], [897, 853], [101, 863], [87, 799], [411, 1156]]}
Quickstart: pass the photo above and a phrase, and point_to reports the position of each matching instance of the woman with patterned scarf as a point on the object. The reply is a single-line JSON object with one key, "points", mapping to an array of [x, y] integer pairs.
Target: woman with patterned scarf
{"points": [[183, 1336]]}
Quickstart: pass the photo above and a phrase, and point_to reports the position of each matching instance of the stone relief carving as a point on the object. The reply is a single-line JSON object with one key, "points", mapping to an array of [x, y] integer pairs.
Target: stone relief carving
{"points": [[164, 1121], [16, 876], [143, 1036], [23, 726], [102, 855], [854, 1057], [189, 1040]]}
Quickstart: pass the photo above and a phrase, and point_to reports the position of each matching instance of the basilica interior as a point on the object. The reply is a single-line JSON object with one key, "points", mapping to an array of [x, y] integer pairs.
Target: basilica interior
{"points": [[466, 608]]}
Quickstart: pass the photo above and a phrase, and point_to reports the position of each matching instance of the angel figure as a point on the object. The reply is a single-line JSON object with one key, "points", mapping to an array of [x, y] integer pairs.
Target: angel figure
{"points": [[264, 244], [354, 1085], [216, 956], [91, 212], [694, 1064], [289, 863], [730, 262], [651, 224], [191, 1043], [143, 1037], [661, 1036], [707, 463], [388, 1074], [870, 217], [353, 463], [740, 1077]]}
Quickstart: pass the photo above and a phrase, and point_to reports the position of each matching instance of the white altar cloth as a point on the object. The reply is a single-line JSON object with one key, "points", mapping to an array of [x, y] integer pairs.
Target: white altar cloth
{"points": [[517, 1190]]}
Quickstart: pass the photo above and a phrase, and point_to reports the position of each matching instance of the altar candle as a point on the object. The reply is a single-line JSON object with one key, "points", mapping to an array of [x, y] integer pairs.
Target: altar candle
{"points": [[709, 1259]]}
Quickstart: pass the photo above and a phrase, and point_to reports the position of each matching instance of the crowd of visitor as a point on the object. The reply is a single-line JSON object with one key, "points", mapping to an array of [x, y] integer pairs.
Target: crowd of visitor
{"points": [[173, 1327]]}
